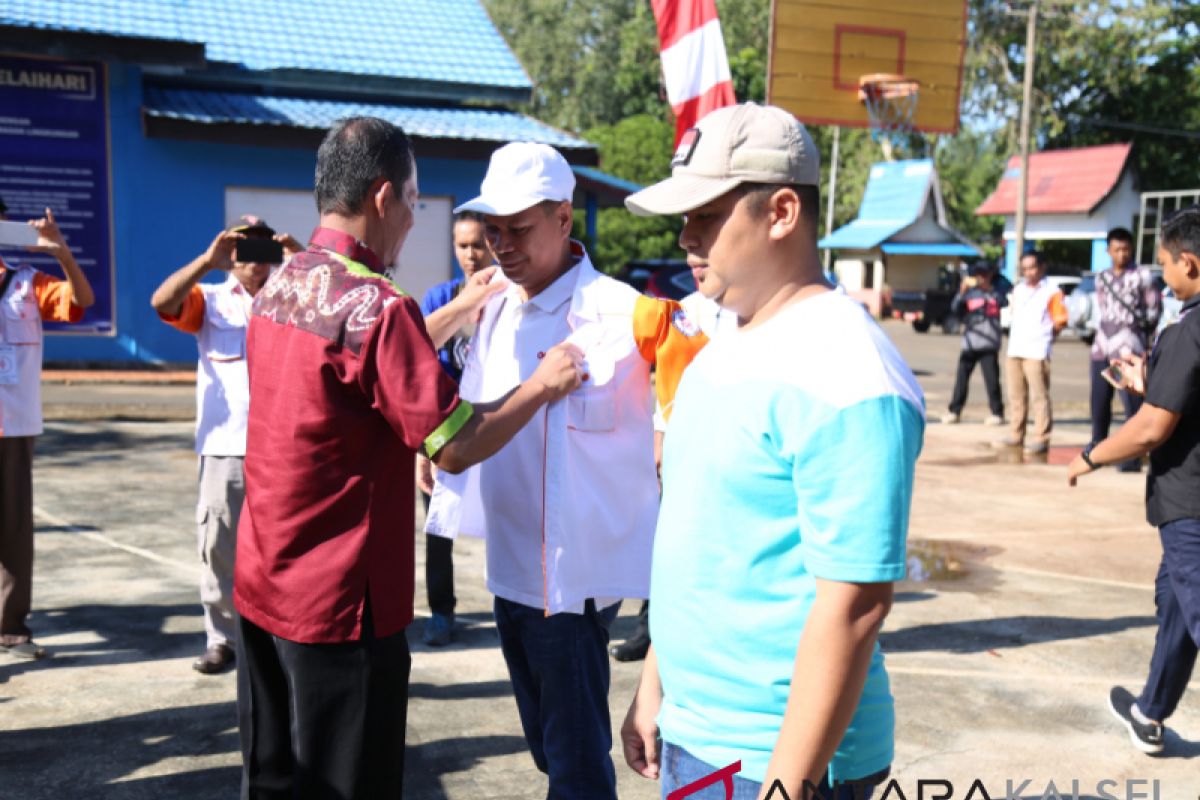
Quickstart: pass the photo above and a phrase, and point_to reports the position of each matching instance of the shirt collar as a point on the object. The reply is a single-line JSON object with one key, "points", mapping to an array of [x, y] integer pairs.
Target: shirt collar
{"points": [[559, 292], [1191, 303], [346, 245]]}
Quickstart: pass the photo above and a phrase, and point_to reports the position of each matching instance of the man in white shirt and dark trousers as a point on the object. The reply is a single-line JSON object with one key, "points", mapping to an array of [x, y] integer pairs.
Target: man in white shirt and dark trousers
{"points": [[218, 315], [567, 507]]}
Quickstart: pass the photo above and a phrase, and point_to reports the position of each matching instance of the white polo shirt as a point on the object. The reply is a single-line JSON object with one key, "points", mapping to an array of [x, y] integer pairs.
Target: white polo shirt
{"points": [[568, 507]]}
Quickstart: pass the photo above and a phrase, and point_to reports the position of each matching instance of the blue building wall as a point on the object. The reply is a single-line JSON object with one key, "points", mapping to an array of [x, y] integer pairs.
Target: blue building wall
{"points": [[169, 202]]}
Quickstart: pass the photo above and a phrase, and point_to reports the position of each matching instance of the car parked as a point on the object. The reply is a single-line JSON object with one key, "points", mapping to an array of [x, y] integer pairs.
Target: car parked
{"points": [[660, 277]]}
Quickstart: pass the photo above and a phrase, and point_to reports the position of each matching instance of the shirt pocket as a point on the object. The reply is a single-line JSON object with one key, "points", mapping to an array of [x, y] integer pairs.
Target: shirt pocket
{"points": [[21, 320], [592, 409], [225, 340]]}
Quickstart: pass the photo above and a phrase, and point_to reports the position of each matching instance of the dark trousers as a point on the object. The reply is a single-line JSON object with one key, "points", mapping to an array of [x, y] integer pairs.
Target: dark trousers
{"points": [[1177, 598], [439, 574], [322, 720], [559, 671], [989, 365], [439, 571], [1102, 397], [16, 537]]}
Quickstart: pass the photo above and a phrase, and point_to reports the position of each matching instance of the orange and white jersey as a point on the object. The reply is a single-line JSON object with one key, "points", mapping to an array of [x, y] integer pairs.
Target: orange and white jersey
{"points": [[1037, 312]]}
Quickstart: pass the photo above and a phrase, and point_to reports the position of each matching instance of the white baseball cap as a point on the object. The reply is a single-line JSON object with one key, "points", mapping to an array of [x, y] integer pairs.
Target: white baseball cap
{"points": [[521, 175], [746, 143]]}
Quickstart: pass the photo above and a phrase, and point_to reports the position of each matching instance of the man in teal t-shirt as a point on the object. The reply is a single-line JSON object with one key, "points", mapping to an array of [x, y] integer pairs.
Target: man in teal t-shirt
{"points": [[787, 481]]}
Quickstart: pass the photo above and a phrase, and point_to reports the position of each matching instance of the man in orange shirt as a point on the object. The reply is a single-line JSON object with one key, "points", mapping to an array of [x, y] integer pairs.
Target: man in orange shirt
{"points": [[27, 297], [218, 314]]}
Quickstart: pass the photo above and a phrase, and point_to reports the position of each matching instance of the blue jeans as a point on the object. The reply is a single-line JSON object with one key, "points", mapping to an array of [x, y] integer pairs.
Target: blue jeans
{"points": [[559, 670], [1177, 598], [679, 768]]}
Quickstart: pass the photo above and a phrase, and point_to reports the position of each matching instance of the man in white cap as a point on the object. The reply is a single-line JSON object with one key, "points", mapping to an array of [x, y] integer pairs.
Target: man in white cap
{"points": [[568, 506], [787, 485]]}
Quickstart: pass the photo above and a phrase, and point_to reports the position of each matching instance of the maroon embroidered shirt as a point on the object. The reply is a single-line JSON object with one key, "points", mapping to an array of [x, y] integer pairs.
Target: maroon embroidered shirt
{"points": [[344, 387]]}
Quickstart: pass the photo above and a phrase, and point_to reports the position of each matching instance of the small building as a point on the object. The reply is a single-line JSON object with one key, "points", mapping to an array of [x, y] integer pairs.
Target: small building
{"points": [[901, 239], [1077, 194], [149, 125]]}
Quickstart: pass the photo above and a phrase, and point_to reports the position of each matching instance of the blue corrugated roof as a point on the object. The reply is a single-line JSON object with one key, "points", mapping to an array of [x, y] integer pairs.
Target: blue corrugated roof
{"points": [[434, 40], [896, 191], [930, 249], [452, 123], [895, 196]]}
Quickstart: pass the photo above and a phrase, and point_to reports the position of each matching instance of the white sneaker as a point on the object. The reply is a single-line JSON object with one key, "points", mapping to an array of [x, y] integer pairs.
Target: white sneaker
{"points": [[950, 418], [994, 420]]}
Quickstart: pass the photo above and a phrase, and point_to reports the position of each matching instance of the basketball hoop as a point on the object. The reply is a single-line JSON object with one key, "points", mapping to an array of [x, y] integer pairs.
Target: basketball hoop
{"points": [[891, 102]]}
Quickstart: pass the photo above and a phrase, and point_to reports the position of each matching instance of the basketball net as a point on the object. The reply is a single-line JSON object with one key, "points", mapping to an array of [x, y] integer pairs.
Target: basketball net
{"points": [[891, 102]]}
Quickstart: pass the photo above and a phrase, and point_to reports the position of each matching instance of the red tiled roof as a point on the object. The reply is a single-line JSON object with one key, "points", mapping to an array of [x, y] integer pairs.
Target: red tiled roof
{"points": [[1071, 181]]}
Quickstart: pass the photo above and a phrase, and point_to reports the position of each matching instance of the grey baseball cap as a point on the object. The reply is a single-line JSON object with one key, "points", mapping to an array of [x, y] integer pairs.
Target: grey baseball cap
{"points": [[746, 143]]}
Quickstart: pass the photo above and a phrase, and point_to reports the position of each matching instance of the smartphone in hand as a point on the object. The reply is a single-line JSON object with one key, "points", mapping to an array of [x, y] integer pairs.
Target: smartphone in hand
{"points": [[258, 251], [17, 234], [1115, 375]]}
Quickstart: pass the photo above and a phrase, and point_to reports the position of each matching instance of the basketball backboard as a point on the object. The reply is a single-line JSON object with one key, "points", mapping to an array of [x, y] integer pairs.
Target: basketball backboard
{"points": [[820, 49]]}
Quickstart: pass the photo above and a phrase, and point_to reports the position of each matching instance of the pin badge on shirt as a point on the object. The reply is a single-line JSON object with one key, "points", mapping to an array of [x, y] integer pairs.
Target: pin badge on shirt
{"points": [[684, 324]]}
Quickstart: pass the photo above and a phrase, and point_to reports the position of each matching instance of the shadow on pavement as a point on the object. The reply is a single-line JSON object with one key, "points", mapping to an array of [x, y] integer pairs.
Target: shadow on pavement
{"points": [[424, 763], [975, 636], [102, 753], [460, 691], [123, 634]]}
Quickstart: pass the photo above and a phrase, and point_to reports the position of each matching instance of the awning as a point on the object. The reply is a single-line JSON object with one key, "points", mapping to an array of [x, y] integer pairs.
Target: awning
{"points": [[930, 249], [609, 191]]}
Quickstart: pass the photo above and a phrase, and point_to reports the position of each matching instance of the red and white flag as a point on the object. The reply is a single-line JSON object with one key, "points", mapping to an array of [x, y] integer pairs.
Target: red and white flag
{"points": [[695, 67]]}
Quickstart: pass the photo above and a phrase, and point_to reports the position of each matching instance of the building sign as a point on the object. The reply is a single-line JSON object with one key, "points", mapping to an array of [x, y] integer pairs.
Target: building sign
{"points": [[54, 153]]}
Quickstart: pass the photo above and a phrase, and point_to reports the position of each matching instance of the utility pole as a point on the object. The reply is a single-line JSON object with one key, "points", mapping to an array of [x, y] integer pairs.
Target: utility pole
{"points": [[833, 170], [1026, 109]]}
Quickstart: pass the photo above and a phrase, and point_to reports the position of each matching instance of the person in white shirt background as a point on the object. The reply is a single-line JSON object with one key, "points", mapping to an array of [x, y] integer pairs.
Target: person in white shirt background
{"points": [[218, 315]]}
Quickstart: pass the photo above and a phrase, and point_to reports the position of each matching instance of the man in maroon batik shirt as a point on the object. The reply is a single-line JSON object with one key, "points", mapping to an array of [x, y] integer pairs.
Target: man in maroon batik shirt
{"points": [[345, 386]]}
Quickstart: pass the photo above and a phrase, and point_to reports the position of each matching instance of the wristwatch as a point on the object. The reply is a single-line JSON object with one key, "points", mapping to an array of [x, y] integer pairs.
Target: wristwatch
{"points": [[1086, 455]]}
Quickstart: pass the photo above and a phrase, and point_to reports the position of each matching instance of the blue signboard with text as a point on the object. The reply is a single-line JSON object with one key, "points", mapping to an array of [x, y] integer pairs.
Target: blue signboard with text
{"points": [[54, 153]]}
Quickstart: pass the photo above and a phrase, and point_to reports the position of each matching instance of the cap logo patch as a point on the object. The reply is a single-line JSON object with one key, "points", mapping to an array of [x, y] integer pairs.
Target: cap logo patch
{"points": [[687, 146], [684, 324]]}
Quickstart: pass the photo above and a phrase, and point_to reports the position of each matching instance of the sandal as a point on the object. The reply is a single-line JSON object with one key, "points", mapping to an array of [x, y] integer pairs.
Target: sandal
{"points": [[26, 650]]}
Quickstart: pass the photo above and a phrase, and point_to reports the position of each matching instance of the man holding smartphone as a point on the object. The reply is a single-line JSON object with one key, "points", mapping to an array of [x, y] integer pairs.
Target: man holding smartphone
{"points": [[27, 297], [1167, 427], [218, 315]]}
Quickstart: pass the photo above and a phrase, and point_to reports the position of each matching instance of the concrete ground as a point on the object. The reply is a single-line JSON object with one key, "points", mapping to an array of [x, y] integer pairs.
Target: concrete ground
{"points": [[1026, 602]]}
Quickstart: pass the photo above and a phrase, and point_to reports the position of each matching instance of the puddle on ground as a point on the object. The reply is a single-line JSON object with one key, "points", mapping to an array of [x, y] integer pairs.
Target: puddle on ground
{"points": [[943, 560]]}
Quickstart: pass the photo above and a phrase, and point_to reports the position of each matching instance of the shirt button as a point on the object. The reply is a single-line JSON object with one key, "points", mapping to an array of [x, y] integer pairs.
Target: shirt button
{"points": [[541, 354]]}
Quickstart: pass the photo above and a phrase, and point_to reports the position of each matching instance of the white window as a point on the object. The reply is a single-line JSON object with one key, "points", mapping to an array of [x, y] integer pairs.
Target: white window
{"points": [[424, 261]]}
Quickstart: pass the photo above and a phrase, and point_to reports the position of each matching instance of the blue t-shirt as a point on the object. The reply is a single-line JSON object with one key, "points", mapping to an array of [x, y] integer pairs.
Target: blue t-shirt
{"points": [[435, 298], [789, 457]]}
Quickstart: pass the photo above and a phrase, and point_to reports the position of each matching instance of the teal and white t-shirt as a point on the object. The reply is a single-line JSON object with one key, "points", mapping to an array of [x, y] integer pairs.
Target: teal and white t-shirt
{"points": [[789, 457]]}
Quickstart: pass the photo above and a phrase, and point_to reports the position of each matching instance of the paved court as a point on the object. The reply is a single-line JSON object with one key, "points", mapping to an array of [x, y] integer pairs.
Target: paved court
{"points": [[1032, 600]]}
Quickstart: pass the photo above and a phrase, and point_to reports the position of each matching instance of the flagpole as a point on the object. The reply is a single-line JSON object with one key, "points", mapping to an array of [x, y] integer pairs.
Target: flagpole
{"points": [[833, 171]]}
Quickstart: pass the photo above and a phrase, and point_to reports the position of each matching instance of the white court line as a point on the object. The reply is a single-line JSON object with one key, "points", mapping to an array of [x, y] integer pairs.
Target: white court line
{"points": [[1041, 573], [188, 569]]}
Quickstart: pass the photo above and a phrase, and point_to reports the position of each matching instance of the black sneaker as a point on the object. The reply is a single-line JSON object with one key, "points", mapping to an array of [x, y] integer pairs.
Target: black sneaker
{"points": [[1147, 737]]}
